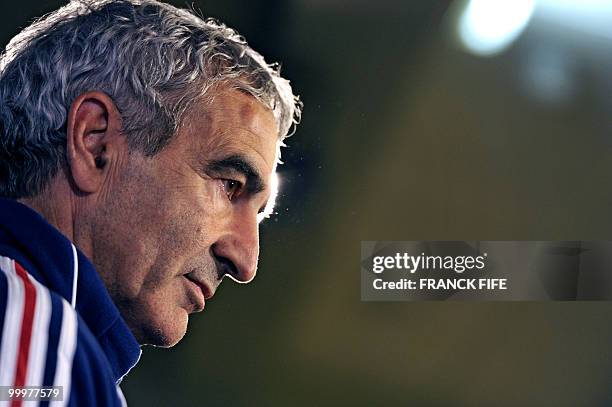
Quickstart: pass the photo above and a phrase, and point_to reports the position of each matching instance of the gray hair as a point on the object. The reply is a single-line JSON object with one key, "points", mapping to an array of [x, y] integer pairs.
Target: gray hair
{"points": [[152, 59]]}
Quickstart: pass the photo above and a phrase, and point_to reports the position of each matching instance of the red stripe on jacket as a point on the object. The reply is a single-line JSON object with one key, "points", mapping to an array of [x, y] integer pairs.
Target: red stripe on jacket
{"points": [[29, 306]]}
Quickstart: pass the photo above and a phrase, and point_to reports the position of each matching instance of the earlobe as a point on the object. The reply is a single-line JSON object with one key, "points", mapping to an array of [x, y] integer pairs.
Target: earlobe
{"points": [[92, 127]]}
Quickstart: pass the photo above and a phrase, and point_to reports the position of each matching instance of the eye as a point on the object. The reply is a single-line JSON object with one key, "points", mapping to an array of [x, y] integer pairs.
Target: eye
{"points": [[231, 187]]}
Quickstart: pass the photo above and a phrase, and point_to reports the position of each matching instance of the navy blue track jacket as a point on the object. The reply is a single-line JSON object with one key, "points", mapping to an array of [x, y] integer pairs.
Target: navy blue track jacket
{"points": [[58, 325]]}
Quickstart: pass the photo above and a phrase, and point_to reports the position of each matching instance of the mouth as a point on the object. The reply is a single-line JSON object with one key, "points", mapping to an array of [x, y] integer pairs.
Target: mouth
{"points": [[195, 294], [204, 289]]}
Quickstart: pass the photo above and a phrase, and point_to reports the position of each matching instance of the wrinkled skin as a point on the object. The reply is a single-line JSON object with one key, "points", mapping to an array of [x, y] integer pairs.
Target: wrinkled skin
{"points": [[164, 230]]}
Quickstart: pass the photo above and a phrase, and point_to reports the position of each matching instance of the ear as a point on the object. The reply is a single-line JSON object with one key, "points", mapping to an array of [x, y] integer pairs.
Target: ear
{"points": [[94, 139]]}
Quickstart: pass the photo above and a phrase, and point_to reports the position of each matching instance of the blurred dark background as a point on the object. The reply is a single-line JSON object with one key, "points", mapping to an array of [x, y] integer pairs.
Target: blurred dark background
{"points": [[432, 119]]}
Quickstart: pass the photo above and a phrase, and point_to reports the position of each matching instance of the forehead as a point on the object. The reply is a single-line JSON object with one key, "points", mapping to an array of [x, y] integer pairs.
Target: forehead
{"points": [[232, 123]]}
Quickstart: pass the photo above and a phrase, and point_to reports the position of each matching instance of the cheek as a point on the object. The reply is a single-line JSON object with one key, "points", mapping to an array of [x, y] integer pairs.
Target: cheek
{"points": [[188, 222], [168, 221], [194, 217]]}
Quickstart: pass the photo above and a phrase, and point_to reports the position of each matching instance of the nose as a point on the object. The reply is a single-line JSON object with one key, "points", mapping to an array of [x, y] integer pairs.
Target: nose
{"points": [[237, 251]]}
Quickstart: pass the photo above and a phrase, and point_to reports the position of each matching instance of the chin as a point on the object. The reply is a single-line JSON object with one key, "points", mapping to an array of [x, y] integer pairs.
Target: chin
{"points": [[156, 317], [164, 331]]}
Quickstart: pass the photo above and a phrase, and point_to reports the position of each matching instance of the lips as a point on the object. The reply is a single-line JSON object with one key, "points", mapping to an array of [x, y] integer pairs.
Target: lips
{"points": [[195, 295], [206, 291]]}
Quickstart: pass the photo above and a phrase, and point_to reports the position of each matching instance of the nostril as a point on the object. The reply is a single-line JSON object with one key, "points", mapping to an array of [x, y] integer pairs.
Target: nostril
{"points": [[225, 266], [234, 259]]}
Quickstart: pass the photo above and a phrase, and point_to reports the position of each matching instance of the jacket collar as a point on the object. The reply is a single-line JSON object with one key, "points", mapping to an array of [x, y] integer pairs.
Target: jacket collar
{"points": [[52, 257]]}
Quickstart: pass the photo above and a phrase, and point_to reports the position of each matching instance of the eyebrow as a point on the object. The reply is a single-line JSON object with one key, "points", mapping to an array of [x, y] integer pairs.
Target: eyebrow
{"points": [[238, 163]]}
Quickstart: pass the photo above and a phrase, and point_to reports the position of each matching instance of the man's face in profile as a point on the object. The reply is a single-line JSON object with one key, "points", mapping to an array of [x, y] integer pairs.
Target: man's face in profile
{"points": [[172, 225]]}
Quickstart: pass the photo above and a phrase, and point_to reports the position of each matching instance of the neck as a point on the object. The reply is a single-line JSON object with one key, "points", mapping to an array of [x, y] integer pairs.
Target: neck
{"points": [[59, 206]]}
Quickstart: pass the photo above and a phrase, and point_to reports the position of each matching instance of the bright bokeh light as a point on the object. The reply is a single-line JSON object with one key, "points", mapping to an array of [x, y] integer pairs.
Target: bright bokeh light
{"points": [[487, 27]]}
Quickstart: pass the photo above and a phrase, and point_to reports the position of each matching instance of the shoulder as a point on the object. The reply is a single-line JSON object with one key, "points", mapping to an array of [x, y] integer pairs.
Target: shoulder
{"points": [[44, 342]]}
